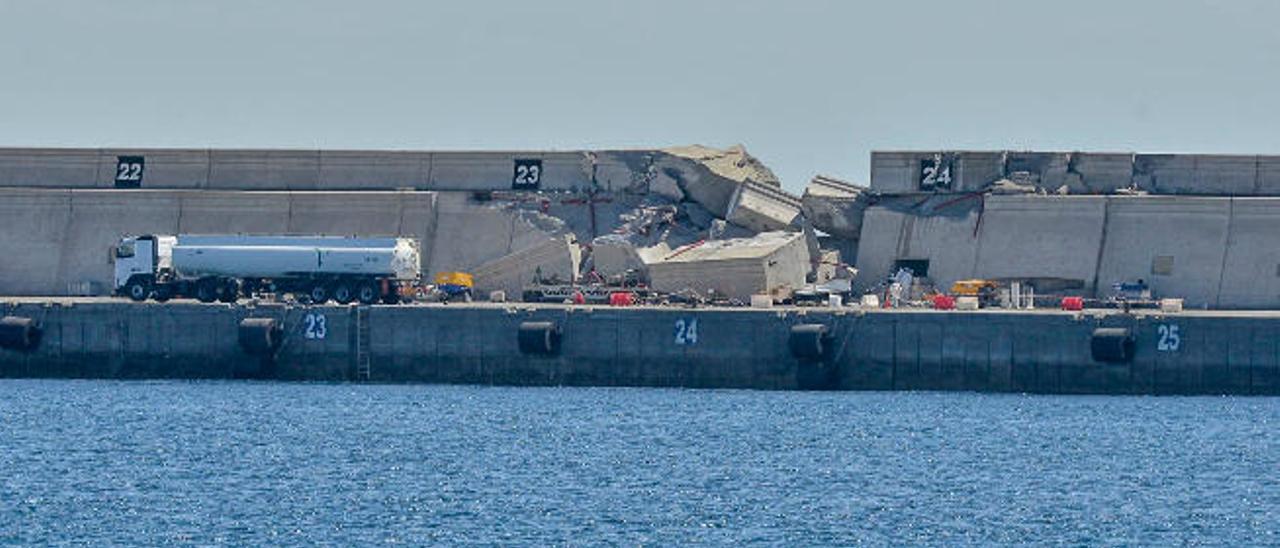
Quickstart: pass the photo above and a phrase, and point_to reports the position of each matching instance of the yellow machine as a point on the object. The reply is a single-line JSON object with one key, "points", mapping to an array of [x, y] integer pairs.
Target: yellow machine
{"points": [[985, 290], [461, 279], [454, 284]]}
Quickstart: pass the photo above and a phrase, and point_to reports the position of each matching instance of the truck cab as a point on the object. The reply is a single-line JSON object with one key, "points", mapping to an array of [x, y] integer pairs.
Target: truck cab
{"points": [[135, 266]]}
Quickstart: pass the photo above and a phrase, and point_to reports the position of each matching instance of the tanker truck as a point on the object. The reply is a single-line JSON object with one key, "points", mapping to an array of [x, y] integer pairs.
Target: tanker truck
{"points": [[222, 268]]}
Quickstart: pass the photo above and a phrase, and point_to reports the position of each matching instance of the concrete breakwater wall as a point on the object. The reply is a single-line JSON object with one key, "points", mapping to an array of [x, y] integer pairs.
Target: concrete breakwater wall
{"points": [[1046, 352], [1211, 251], [61, 239]]}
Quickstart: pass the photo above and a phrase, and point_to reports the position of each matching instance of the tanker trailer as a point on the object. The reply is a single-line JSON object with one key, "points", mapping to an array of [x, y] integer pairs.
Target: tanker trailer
{"points": [[222, 268]]}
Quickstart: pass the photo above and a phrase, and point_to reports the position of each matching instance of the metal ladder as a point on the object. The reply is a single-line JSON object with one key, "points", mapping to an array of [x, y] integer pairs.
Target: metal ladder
{"points": [[364, 363]]}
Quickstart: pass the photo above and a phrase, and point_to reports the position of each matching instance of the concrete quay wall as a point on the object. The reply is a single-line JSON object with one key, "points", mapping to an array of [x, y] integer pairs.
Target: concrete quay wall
{"points": [[1044, 352]]}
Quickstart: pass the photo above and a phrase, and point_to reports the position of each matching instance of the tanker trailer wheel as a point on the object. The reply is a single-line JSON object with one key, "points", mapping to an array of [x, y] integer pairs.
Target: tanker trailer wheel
{"points": [[367, 292], [138, 289], [318, 293], [207, 290], [162, 292], [342, 293], [228, 291]]}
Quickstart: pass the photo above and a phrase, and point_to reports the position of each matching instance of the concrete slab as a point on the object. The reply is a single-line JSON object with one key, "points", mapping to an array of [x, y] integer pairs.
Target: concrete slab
{"points": [[1192, 232], [264, 169], [66, 168], [373, 170], [164, 168]]}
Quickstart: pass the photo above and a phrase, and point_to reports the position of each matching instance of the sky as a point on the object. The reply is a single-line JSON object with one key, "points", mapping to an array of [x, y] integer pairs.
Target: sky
{"points": [[808, 87]]}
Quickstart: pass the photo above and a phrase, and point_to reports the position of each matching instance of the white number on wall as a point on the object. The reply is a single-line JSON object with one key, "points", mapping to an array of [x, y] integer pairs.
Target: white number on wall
{"points": [[129, 171], [935, 173], [528, 174], [316, 327], [1170, 339], [687, 331]]}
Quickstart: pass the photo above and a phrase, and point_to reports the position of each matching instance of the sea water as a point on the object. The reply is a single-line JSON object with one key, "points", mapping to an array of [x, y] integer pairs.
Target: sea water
{"points": [[247, 463]]}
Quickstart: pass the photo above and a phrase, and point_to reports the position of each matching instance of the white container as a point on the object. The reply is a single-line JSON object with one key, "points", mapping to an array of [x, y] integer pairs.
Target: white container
{"points": [[498, 296], [966, 303], [871, 301], [1171, 306], [761, 301], [835, 301]]}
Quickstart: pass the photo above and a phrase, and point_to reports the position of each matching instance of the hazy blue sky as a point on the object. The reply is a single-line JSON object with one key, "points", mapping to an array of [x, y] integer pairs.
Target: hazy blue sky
{"points": [[809, 87]]}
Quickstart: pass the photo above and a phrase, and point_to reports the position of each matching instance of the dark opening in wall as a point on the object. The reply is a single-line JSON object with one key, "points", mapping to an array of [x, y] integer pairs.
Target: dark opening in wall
{"points": [[918, 267]]}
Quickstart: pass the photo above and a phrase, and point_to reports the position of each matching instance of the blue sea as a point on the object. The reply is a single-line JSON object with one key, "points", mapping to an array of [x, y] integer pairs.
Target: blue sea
{"points": [[245, 463]]}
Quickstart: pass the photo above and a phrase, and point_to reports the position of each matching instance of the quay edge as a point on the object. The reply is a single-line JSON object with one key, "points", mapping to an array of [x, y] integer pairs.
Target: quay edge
{"points": [[1211, 352]]}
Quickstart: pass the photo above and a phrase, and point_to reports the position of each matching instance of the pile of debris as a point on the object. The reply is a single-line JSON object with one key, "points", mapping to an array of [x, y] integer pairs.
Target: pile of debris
{"points": [[715, 223]]}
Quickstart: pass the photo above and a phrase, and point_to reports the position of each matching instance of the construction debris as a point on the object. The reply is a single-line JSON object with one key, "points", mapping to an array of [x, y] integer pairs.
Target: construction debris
{"points": [[555, 258], [775, 263], [835, 207]]}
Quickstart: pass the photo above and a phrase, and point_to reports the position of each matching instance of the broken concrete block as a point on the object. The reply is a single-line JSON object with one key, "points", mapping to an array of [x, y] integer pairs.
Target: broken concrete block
{"points": [[1099, 172], [613, 255], [835, 207], [552, 258], [1047, 169], [774, 262], [711, 176], [762, 208]]}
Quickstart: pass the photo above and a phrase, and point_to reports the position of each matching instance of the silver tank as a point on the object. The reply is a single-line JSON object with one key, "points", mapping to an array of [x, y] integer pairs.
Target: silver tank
{"points": [[290, 256]]}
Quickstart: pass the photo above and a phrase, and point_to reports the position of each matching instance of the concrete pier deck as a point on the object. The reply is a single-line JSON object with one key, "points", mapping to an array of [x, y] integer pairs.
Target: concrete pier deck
{"points": [[1045, 351]]}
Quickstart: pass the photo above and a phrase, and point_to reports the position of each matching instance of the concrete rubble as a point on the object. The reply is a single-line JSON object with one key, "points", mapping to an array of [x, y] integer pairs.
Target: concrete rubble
{"points": [[552, 259], [774, 263], [677, 197]]}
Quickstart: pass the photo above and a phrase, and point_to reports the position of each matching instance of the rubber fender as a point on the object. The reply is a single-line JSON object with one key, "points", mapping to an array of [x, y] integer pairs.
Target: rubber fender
{"points": [[1112, 345], [539, 338], [19, 333], [260, 336], [809, 341]]}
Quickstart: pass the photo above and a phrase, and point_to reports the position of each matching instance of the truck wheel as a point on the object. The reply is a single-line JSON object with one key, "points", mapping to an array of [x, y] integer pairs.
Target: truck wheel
{"points": [[138, 290], [229, 291], [162, 293], [319, 294], [207, 290], [391, 298], [367, 292], [342, 293]]}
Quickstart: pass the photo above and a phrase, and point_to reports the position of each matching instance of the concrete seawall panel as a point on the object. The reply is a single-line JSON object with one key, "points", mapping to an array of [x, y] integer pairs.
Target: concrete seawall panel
{"points": [[1043, 352]]}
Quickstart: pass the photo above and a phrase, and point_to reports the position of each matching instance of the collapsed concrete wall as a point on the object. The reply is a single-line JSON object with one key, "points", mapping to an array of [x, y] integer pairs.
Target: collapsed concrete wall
{"points": [[469, 233], [554, 259], [835, 207]]}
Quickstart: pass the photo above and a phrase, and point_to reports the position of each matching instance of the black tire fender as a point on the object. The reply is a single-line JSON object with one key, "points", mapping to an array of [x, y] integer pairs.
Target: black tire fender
{"points": [[19, 333], [542, 338], [1112, 345], [809, 341], [260, 336]]}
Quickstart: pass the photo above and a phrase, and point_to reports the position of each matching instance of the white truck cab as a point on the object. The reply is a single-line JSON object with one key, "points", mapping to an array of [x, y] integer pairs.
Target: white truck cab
{"points": [[135, 262]]}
